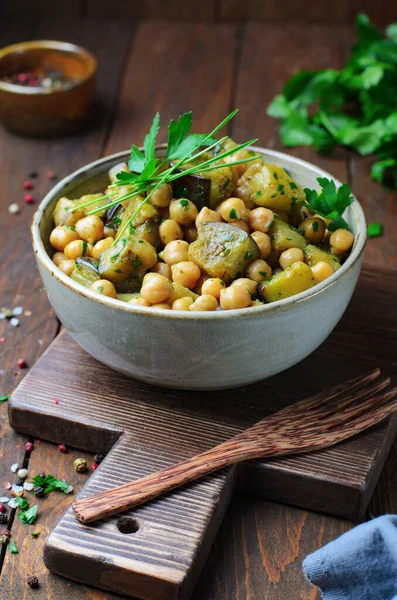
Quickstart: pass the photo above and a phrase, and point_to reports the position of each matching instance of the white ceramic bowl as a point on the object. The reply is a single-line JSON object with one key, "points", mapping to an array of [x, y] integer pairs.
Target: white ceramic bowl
{"points": [[195, 350]]}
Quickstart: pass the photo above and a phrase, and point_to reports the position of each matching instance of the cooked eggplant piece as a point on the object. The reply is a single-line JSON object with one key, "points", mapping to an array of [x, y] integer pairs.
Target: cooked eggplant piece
{"points": [[295, 279], [314, 255], [284, 236], [86, 271], [270, 186], [222, 250], [194, 187], [114, 215], [222, 182], [126, 258], [62, 214]]}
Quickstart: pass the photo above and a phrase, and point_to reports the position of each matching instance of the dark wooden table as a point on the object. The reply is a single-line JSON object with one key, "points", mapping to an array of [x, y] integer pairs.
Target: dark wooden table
{"points": [[169, 67]]}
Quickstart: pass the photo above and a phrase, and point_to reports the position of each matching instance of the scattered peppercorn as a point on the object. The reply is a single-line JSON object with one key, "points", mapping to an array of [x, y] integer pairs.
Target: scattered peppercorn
{"points": [[22, 364], [28, 185], [3, 519], [51, 175], [39, 492], [29, 199], [6, 533], [33, 174], [22, 473], [33, 582], [3, 540], [13, 209], [98, 458], [94, 466], [62, 448], [3, 508], [42, 474], [29, 447], [19, 481], [80, 465]]}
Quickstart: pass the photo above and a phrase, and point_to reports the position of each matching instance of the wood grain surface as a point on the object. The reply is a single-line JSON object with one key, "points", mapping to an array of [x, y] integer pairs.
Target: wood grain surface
{"points": [[261, 544], [323, 11]]}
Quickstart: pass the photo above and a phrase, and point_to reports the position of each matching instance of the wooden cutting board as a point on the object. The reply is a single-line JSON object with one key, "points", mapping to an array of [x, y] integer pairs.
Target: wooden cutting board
{"points": [[156, 552]]}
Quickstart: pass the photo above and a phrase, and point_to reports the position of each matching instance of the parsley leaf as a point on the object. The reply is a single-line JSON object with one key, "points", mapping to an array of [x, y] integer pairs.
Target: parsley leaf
{"points": [[50, 483], [13, 548], [330, 203], [354, 106], [3, 399], [374, 230], [29, 516]]}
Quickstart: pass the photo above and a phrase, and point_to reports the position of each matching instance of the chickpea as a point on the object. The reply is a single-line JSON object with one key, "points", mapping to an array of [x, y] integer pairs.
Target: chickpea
{"points": [[213, 287], [162, 196], [249, 285], [58, 258], [200, 281], [206, 214], [291, 256], [233, 209], [62, 235], [258, 270], [90, 229], [67, 266], [175, 251], [313, 229], [241, 225], [206, 302], [104, 287], [260, 219], [321, 271], [139, 302], [170, 230], [156, 288], [109, 232], [340, 241], [263, 242], [235, 297], [163, 305], [163, 269], [186, 273], [183, 211], [182, 303], [78, 248], [190, 233], [101, 246], [146, 254]]}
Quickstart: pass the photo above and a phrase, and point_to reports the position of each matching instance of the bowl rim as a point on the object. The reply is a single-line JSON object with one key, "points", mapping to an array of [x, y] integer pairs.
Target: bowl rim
{"points": [[68, 47], [278, 306]]}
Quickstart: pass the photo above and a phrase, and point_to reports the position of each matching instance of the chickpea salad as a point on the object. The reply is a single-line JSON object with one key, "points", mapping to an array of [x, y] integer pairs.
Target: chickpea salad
{"points": [[209, 226]]}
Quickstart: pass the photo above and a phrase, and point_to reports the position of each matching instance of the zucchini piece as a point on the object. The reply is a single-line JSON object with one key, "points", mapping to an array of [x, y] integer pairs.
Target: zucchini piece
{"points": [[180, 291], [62, 214], [314, 255], [125, 258], [222, 250], [271, 186], [284, 236], [85, 271], [295, 279], [94, 205]]}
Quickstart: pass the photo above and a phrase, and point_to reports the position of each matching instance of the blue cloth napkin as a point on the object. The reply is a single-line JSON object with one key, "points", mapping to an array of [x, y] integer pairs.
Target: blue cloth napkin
{"points": [[359, 565]]}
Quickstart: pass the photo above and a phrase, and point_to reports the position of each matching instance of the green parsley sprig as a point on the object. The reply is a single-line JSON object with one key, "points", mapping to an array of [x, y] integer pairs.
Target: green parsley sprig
{"points": [[354, 106], [148, 172], [330, 203]]}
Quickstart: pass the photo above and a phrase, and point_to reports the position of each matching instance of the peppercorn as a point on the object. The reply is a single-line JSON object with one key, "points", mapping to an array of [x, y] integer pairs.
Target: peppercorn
{"points": [[33, 582], [80, 465], [98, 458], [51, 175], [62, 448], [3, 540], [42, 475], [3, 519], [22, 364], [94, 466], [6, 533], [3, 508], [29, 447], [33, 174], [28, 185], [39, 492], [19, 481], [22, 473], [29, 199]]}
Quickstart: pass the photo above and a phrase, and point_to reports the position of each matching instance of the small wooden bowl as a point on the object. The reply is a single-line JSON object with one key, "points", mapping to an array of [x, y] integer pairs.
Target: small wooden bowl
{"points": [[53, 110]]}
